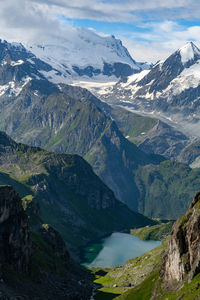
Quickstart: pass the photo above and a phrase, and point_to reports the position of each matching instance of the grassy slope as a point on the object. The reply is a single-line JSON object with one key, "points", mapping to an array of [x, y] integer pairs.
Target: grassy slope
{"points": [[70, 195], [121, 279], [156, 232], [151, 288], [77, 125], [143, 272], [165, 190], [130, 124]]}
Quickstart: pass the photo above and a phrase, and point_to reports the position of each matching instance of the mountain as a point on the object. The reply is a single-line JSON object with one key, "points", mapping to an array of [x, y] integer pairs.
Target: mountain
{"points": [[84, 54], [17, 62], [150, 134], [21, 69], [169, 90], [31, 261], [184, 247], [71, 197], [69, 119]]}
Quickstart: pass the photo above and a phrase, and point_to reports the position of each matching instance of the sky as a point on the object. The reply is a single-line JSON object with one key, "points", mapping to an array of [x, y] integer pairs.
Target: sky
{"points": [[150, 29]]}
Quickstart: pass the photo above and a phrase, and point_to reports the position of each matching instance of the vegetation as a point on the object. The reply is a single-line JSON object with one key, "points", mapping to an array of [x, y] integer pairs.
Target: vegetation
{"points": [[121, 280], [130, 124], [71, 197], [165, 190], [155, 232], [80, 124]]}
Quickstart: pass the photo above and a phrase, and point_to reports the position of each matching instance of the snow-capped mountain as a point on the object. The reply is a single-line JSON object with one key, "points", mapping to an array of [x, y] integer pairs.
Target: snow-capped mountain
{"points": [[85, 54], [18, 66], [169, 90]]}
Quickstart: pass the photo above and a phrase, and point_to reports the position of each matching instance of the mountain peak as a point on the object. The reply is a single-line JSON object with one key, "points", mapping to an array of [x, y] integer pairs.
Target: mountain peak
{"points": [[87, 54], [189, 52]]}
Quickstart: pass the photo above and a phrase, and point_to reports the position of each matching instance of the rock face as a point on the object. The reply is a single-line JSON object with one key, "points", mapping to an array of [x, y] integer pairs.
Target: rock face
{"points": [[164, 140], [41, 254], [14, 235], [53, 238], [170, 89], [183, 253]]}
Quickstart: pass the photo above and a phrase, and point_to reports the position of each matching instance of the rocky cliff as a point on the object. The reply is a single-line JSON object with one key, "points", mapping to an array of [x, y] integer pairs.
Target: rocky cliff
{"points": [[15, 246], [35, 265], [182, 260]]}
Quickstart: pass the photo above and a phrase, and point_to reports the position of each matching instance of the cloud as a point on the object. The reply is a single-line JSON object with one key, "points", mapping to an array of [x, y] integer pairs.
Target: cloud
{"points": [[25, 21], [160, 39], [40, 20], [123, 11]]}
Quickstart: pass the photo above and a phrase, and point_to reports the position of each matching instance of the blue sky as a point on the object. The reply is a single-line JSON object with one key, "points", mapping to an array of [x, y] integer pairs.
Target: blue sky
{"points": [[159, 36], [150, 29]]}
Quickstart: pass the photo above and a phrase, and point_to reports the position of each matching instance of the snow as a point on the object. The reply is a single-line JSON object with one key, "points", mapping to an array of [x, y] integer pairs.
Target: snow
{"points": [[83, 48], [135, 78], [12, 88], [96, 87], [16, 63], [188, 52], [188, 78]]}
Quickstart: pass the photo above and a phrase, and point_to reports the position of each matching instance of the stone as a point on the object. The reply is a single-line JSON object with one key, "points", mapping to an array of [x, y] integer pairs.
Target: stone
{"points": [[15, 245], [183, 253]]}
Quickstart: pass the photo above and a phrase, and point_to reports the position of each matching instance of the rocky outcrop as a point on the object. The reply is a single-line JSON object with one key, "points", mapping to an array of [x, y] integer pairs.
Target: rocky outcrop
{"points": [[37, 265], [183, 254], [15, 248], [53, 238]]}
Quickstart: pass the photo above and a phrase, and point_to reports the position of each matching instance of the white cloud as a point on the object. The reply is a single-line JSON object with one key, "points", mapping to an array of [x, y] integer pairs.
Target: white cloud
{"points": [[124, 11], [37, 20], [160, 40]]}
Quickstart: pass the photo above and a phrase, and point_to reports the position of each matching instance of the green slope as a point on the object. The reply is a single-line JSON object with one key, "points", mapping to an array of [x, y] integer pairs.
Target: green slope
{"points": [[70, 119], [72, 198], [130, 124]]}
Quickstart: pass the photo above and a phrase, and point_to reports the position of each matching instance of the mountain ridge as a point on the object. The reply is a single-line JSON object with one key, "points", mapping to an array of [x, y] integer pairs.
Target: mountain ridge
{"points": [[170, 89], [86, 54]]}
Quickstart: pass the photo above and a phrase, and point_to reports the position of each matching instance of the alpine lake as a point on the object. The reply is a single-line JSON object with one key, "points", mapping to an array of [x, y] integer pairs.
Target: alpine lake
{"points": [[115, 250]]}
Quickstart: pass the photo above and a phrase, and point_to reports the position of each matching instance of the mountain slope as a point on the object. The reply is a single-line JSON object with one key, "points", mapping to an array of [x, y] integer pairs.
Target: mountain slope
{"points": [[31, 261], [170, 271], [78, 125], [71, 197], [84, 54], [69, 119], [149, 134], [169, 90], [64, 118]]}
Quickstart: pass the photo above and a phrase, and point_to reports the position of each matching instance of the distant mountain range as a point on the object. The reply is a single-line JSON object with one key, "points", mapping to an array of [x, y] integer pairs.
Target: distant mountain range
{"points": [[69, 119], [170, 90], [84, 54]]}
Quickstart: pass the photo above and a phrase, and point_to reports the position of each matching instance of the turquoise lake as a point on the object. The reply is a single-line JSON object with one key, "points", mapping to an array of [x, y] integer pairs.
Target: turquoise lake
{"points": [[116, 249]]}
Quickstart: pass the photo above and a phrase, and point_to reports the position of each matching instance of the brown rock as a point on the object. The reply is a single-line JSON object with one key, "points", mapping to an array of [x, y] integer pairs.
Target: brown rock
{"points": [[183, 253]]}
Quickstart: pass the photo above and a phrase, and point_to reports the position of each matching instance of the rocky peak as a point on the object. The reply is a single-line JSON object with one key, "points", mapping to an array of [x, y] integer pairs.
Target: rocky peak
{"points": [[18, 66], [163, 73], [189, 52], [15, 248], [183, 254]]}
